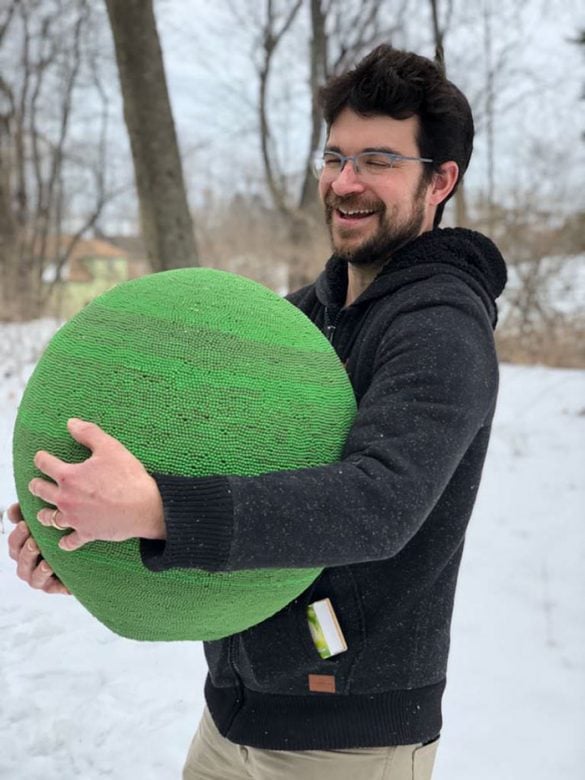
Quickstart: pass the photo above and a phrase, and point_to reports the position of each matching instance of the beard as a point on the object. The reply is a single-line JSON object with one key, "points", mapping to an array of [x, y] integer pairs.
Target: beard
{"points": [[392, 233]]}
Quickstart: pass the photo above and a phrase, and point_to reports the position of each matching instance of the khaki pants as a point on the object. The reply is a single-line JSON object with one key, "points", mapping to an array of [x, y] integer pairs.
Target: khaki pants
{"points": [[212, 757]]}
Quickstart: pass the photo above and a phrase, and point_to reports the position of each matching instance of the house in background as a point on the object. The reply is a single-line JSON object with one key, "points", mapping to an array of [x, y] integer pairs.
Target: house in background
{"points": [[94, 266]]}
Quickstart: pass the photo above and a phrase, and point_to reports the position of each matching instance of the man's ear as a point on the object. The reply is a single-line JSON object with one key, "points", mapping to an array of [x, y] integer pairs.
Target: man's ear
{"points": [[442, 183]]}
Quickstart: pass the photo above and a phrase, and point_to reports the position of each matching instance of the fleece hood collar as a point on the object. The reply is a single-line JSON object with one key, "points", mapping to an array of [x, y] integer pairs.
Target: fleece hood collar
{"points": [[464, 253]]}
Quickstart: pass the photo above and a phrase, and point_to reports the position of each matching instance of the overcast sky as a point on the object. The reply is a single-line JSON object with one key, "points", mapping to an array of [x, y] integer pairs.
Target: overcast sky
{"points": [[539, 117]]}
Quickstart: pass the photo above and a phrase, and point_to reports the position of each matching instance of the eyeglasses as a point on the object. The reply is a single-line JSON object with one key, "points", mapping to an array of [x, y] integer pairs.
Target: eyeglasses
{"points": [[366, 165]]}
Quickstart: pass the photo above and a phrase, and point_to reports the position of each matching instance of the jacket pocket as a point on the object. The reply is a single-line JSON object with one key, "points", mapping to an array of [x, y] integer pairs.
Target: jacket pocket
{"points": [[271, 656], [277, 655]]}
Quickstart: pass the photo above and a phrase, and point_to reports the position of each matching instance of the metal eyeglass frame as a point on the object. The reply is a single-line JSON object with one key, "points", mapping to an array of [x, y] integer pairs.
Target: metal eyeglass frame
{"points": [[318, 160]]}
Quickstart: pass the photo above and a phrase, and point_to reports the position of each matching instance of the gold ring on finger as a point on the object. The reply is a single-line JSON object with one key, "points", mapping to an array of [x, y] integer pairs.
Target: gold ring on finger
{"points": [[54, 522]]}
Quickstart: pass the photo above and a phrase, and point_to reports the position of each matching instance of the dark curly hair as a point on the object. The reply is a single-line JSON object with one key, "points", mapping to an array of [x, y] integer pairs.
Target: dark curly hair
{"points": [[401, 84]]}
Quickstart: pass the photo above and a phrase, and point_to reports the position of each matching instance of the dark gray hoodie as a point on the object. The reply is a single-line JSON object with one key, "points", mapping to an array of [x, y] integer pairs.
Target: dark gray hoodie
{"points": [[388, 522]]}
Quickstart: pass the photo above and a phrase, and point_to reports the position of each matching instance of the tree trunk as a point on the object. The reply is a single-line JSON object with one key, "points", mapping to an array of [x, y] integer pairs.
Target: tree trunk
{"points": [[9, 281], [167, 226], [318, 65], [490, 100], [439, 39], [438, 35]]}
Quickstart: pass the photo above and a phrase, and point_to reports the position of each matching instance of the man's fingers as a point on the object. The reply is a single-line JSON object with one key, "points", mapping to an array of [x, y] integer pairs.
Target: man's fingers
{"points": [[56, 586], [27, 560], [48, 515], [48, 491], [30, 567], [14, 514], [41, 576], [87, 433], [17, 539], [50, 465], [72, 541]]}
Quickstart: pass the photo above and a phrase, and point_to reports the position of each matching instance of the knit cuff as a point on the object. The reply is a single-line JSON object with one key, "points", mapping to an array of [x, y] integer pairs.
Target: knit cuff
{"points": [[198, 514]]}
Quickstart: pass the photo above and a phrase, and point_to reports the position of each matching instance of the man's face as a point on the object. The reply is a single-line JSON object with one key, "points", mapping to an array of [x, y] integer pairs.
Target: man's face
{"points": [[393, 206]]}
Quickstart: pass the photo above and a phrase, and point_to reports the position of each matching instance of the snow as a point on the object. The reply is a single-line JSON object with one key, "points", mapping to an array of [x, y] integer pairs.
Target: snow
{"points": [[77, 701]]}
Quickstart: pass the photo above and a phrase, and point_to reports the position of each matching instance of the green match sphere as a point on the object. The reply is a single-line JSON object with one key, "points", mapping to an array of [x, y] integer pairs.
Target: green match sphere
{"points": [[197, 372]]}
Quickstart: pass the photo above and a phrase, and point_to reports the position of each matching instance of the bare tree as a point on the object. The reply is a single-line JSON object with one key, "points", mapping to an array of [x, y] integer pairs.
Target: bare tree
{"points": [[275, 27], [167, 225], [490, 101], [340, 33], [580, 41], [440, 29], [438, 35], [37, 157], [319, 65], [501, 86], [8, 227]]}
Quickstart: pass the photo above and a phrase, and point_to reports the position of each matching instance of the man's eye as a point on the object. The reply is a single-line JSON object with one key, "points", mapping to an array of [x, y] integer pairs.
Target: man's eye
{"points": [[331, 162], [374, 162]]}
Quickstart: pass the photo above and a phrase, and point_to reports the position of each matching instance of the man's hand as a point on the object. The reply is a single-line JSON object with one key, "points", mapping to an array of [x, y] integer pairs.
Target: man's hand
{"points": [[30, 567], [110, 496]]}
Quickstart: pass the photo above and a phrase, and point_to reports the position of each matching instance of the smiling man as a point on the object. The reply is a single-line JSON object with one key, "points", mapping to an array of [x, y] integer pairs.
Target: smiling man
{"points": [[346, 682], [371, 212]]}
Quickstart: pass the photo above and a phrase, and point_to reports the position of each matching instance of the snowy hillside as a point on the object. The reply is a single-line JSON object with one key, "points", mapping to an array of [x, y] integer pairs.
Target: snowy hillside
{"points": [[78, 702]]}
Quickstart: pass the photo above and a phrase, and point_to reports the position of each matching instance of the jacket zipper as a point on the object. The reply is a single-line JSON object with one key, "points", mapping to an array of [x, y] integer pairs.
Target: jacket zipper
{"points": [[330, 324]]}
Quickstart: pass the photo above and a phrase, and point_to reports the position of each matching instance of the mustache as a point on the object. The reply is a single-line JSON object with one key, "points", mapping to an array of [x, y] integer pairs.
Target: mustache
{"points": [[353, 202]]}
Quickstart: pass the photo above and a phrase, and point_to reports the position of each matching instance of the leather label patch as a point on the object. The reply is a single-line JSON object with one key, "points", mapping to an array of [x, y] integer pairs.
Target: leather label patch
{"points": [[322, 683]]}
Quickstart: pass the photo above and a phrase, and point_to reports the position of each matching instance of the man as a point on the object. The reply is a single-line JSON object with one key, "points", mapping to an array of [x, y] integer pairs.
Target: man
{"points": [[410, 310]]}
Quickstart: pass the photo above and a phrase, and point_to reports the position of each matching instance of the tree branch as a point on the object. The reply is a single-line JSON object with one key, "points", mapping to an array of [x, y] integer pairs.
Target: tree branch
{"points": [[271, 40]]}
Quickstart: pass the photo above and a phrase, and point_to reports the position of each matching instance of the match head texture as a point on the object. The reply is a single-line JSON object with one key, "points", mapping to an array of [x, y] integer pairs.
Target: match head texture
{"points": [[197, 372]]}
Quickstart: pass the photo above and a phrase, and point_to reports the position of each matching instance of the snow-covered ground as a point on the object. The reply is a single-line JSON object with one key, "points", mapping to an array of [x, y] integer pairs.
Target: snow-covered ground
{"points": [[79, 702]]}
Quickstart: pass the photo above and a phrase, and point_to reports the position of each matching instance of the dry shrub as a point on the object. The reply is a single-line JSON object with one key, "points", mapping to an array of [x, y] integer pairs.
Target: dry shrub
{"points": [[561, 345], [248, 238]]}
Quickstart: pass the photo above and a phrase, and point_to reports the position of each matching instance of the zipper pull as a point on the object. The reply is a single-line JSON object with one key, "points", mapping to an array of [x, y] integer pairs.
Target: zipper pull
{"points": [[331, 322]]}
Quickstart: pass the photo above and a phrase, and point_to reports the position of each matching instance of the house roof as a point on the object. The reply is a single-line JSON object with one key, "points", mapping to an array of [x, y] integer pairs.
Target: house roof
{"points": [[76, 268], [97, 247], [56, 246]]}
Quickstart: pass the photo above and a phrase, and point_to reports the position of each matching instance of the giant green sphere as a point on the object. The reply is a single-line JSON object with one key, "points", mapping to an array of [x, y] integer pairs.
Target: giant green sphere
{"points": [[197, 372]]}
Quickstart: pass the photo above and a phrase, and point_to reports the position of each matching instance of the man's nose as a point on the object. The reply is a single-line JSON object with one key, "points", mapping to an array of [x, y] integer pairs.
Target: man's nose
{"points": [[347, 181]]}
